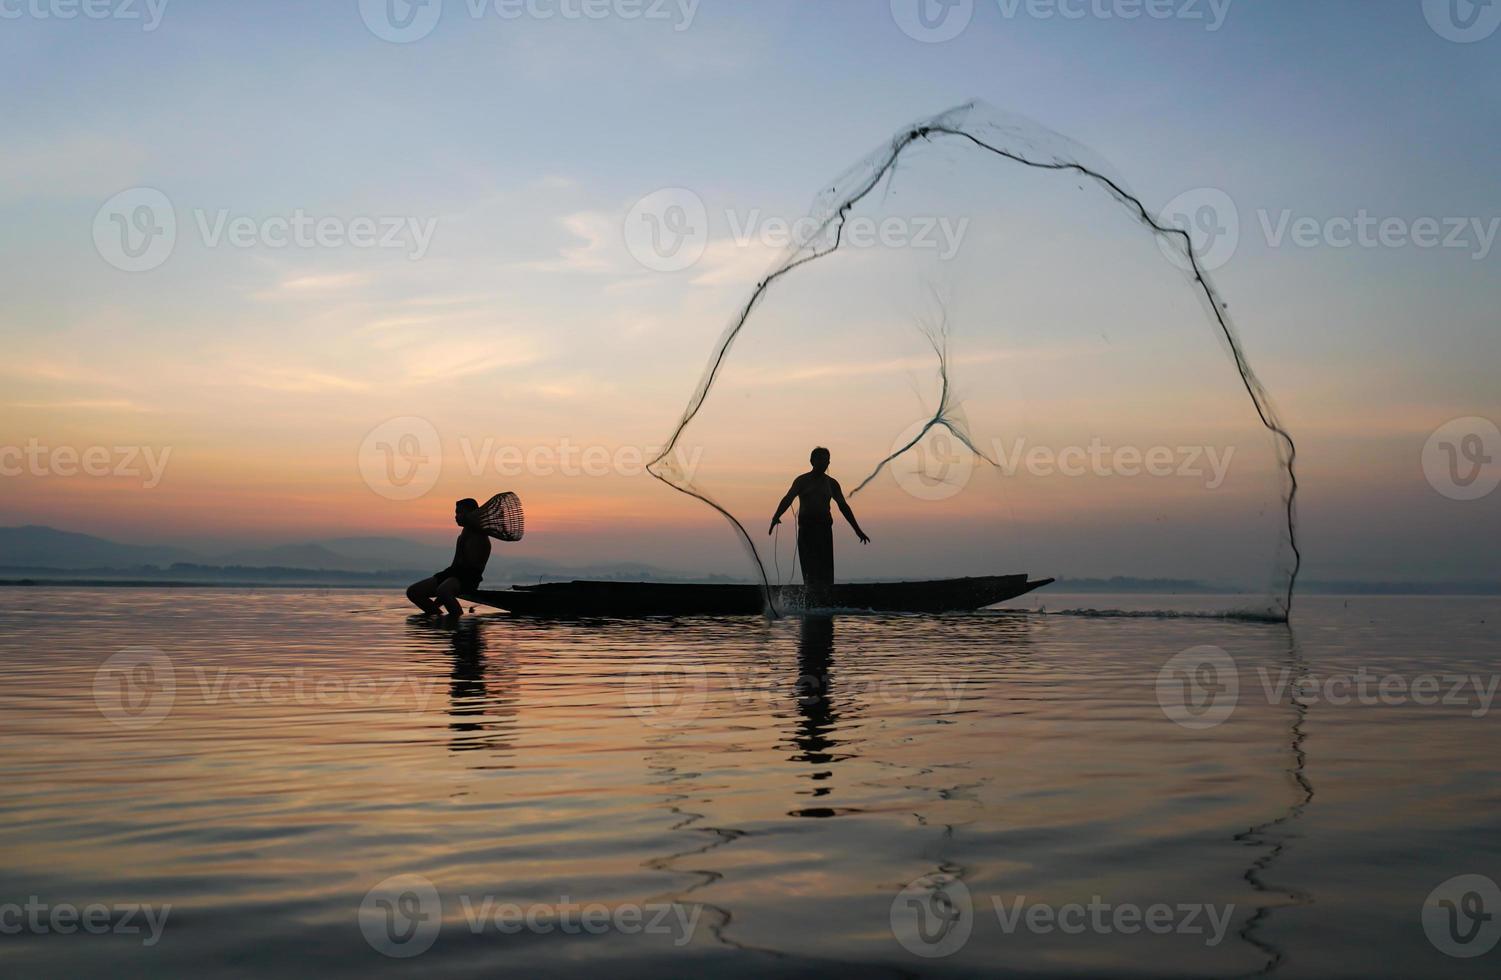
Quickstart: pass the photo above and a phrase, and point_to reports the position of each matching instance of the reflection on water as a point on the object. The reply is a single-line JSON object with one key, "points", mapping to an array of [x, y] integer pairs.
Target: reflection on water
{"points": [[482, 693], [1275, 836], [817, 717], [801, 785]]}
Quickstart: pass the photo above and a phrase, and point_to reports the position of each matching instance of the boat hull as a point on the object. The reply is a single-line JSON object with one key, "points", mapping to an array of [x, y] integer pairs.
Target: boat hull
{"points": [[631, 599]]}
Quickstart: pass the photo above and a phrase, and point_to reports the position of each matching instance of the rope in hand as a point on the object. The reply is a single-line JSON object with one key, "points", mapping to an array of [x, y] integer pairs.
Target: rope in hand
{"points": [[776, 551]]}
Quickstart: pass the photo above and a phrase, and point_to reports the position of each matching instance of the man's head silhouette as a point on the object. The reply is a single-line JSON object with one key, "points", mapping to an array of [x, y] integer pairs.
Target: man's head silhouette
{"points": [[819, 458], [462, 507]]}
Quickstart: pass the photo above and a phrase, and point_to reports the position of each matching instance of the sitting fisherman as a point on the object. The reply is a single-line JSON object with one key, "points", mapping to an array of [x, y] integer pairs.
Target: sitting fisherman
{"points": [[470, 553]]}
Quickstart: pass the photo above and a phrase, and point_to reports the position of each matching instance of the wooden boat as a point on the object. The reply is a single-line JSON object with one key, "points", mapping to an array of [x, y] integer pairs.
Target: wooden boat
{"points": [[628, 599]]}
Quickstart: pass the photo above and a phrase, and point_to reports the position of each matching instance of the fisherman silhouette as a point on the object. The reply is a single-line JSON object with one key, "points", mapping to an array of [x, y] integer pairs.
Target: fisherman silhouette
{"points": [[441, 590], [813, 491]]}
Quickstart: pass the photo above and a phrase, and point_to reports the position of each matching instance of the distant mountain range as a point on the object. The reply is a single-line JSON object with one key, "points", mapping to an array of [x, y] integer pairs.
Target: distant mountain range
{"points": [[38, 553], [47, 547], [45, 553]]}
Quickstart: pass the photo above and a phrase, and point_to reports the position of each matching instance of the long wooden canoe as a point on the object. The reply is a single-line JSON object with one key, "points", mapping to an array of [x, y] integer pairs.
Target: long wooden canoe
{"points": [[671, 599]]}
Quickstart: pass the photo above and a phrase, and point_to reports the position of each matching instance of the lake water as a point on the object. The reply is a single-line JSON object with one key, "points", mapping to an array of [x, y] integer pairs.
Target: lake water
{"points": [[312, 783]]}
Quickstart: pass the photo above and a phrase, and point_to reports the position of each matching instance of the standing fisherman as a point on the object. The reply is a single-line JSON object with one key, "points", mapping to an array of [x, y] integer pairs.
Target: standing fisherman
{"points": [[813, 491]]}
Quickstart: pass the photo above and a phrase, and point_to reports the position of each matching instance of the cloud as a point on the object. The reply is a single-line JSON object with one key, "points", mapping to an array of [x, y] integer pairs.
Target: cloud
{"points": [[99, 404], [301, 380]]}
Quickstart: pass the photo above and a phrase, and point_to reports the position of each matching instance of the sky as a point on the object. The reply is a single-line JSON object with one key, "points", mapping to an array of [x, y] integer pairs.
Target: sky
{"points": [[384, 213]]}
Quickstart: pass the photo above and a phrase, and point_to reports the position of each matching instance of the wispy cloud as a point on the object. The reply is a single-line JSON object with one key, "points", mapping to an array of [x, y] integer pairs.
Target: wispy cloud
{"points": [[300, 380], [96, 404]]}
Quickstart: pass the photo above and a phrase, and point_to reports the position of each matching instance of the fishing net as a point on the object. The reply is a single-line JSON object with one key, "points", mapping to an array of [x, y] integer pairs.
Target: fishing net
{"points": [[501, 517], [1017, 367]]}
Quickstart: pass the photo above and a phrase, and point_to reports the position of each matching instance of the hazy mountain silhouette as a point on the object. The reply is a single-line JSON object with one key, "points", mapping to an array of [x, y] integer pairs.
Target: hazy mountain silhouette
{"points": [[47, 547], [38, 552], [37, 546]]}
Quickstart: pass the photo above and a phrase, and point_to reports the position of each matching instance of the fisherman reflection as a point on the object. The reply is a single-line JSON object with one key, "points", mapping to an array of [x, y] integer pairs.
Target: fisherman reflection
{"points": [[482, 702], [817, 718]]}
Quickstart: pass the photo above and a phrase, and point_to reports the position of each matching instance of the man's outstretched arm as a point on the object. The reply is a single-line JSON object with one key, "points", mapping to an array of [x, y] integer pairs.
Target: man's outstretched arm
{"points": [[782, 507], [849, 515]]}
